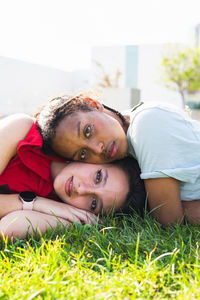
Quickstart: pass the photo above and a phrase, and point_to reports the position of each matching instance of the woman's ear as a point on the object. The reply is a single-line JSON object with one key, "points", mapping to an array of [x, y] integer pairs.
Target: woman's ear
{"points": [[99, 106], [94, 103]]}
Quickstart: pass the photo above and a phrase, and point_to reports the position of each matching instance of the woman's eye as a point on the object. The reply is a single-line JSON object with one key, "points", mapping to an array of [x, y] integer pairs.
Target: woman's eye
{"points": [[83, 154], [93, 204], [99, 176], [88, 131]]}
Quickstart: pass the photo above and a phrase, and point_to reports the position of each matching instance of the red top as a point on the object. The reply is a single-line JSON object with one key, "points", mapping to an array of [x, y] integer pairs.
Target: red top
{"points": [[30, 169]]}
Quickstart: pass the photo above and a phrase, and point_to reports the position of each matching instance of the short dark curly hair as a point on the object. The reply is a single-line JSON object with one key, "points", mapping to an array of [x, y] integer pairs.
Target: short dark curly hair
{"points": [[136, 197], [53, 112]]}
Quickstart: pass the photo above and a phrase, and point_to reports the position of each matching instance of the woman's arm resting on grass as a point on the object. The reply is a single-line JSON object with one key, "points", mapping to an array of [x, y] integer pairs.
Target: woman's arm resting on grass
{"points": [[64, 210], [192, 211], [11, 202], [12, 129], [164, 200], [18, 223]]}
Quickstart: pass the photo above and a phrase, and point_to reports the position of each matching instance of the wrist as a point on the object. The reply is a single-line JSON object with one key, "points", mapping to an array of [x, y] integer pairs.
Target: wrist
{"points": [[36, 204], [42, 205], [27, 199]]}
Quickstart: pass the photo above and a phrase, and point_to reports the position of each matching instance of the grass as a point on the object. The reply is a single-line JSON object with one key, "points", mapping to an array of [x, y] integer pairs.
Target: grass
{"points": [[126, 258]]}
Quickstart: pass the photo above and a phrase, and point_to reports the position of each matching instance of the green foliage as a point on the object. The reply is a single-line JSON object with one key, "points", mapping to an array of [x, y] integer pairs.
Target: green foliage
{"points": [[181, 69], [127, 258]]}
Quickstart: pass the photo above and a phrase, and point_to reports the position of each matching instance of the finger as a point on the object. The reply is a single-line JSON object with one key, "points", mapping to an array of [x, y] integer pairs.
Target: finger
{"points": [[86, 218], [91, 218], [74, 219]]}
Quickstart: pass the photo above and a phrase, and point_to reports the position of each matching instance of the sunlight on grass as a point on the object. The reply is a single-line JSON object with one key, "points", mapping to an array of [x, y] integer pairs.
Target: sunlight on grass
{"points": [[127, 258]]}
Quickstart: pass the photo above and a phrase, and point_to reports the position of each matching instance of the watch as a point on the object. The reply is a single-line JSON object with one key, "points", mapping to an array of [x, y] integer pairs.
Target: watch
{"points": [[27, 199]]}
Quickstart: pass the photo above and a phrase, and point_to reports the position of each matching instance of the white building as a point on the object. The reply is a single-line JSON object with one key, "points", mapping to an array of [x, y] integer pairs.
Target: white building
{"points": [[25, 86], [197, 35], [139, 66]]}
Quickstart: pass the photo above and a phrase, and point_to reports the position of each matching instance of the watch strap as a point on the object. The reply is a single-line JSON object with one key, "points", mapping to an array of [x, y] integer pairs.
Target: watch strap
{"points": [[27, 205], [27, 198]]}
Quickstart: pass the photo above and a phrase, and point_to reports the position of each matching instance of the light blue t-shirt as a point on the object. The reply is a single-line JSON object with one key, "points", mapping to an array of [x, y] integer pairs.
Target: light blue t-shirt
{"points": [[166, 142]]}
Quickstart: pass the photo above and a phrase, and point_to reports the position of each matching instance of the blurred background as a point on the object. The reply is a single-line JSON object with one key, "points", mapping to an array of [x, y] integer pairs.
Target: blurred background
{"points": [[124, 50]]}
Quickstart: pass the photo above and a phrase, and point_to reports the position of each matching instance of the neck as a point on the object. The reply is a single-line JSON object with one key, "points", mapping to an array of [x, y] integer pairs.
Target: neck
{"points": [[127, 123], [124, 120], [56, 167]]}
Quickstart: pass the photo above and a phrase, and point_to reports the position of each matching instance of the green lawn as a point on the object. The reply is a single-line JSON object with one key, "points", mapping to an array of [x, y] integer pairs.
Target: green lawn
{"points": [[127, 258]]}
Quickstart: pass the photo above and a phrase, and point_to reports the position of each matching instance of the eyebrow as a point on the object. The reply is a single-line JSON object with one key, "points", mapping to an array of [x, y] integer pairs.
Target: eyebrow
{"points": [[104, 182], [79, 128], [78, 134], [73, 155], [105, 177], [101, 207]]}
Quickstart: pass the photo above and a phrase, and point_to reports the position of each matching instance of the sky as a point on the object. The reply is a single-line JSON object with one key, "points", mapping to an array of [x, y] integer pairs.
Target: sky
{"points": [[61, 33]]}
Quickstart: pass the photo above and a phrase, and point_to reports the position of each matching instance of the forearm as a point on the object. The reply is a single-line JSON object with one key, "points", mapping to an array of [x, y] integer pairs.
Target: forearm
{"points": [[48, 206], [18, 223], [192, 211], [167, 215], [164, 200], [9, 203]]}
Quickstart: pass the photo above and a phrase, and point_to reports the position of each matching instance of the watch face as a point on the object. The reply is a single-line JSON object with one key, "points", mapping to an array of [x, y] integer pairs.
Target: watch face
{"points": [[28, 196]]}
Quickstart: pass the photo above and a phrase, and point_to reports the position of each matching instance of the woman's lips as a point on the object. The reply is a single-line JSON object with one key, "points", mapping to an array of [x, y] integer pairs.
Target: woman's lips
{"points": [[112, 150], [69, 186]]}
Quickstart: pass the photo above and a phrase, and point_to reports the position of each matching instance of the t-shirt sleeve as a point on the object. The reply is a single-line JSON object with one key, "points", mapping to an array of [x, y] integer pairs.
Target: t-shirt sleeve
{"points": [[164, 143]]}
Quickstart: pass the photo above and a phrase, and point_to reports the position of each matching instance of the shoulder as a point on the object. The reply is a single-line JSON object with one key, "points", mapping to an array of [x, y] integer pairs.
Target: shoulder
{"points": [[19, 121], [154, 116], [15, 126], [13, 129], [153, 108], [21, 117]]}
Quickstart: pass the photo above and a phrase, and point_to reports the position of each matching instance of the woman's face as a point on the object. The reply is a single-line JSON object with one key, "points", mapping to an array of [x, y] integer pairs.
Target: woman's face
{"points": [[91, 187], [93, 137]]}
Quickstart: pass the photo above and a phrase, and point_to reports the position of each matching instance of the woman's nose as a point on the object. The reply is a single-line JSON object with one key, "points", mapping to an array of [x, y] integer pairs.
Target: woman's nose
{"points": [[84, 189], [97, 147]]}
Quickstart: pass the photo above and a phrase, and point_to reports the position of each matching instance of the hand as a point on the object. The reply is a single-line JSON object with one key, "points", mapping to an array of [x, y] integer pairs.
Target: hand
{"points": [[74, 214], [65, 211]]}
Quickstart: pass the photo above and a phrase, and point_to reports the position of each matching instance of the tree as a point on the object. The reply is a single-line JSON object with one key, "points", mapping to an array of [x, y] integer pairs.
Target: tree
{"points": [[181, 70], [106, 79]]}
